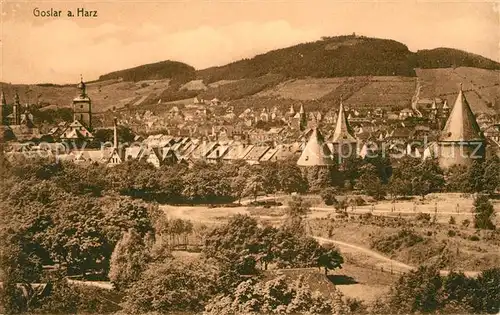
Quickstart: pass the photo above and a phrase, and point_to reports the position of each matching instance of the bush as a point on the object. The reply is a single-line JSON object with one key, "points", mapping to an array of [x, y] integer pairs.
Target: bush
{"points": [[328, 196], [452, 220], [403, 239], [484, 212], [474, 238], [426, 217], [466, 222], [451, 233]]}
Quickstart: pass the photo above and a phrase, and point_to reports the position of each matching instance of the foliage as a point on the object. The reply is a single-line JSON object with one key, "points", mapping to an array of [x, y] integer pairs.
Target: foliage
{"points": [[404, 238], [451, 58], [413, 177], [276, 296], [424, 290], [173, 286], [369, 182], [129, 259], [328, 196], [235, 243], [483, 213], [177, 71]]}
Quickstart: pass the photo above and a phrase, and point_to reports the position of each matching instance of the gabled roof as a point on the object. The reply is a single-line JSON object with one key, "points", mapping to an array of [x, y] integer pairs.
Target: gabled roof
{"points": [[268, 155], [343, 132], [316, 152], [218, 153], [256, 153], [461, 124], [237, 152]]}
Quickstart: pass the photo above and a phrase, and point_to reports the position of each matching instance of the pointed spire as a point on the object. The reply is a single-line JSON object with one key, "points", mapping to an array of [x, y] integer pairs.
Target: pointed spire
{"points": [[315, 153], [461, 124], [115, 134], [343, 132], [302, 111], [292, 110]]}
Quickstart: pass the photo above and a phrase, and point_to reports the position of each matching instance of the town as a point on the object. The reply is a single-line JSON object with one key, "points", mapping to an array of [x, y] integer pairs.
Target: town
{"points": [[397, 132], [321, 175]]}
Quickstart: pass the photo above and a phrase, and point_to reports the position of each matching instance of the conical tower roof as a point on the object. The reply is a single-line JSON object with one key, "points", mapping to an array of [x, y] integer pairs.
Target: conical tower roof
{"points": [[461, 124], [315, 153], [301, 110], [343, 132]]}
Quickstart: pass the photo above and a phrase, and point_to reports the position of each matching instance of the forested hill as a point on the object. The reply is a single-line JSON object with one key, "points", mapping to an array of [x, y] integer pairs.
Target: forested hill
{"points": [[344, 56], [330, 57], [341, 56], [177, 71], [452, 58]]}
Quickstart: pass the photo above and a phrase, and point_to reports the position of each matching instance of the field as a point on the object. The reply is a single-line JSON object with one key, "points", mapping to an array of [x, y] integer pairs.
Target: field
{"points": [[303, 89], [369, 272], [481, 86]]}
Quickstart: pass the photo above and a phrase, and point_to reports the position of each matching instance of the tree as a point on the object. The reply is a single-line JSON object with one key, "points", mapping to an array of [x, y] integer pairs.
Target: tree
{"points": [[235, 243], [173, 286], [399, 187], [417, 291], [328, 196], [253, 186], [276, 296], [483, 213], [129, 259], [427, 178], [330, 258], [370, 183], [491, 177], [290, 178]]}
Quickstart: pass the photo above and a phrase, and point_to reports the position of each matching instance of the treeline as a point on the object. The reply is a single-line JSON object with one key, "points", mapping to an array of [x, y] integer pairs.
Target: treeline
{"points": [[451, 58], [424, 291], [325, 58], [177, 71]]}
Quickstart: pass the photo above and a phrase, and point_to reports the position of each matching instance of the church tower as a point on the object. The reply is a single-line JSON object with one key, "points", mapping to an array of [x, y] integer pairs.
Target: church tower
{"points": [[2, 108], [82, 106], [16, 111], [461, 140], [302, 118]]}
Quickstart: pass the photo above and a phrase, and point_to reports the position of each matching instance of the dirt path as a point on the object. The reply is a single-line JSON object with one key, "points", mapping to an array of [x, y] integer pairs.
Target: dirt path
{"points": [[212, 216]]}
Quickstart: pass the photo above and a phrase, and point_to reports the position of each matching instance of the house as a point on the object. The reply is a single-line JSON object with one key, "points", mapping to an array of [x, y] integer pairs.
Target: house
{"points": [[237, 152], [255, 154], [217, 154]]}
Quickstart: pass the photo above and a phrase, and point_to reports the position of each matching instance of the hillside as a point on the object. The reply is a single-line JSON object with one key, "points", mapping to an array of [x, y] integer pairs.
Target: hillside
{"points": [[330, 57], [452, 58], [345, 56], [177, 71], [365, 72]]}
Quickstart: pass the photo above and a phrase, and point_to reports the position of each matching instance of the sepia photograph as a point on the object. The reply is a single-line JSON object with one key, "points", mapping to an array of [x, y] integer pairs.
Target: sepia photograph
{"points": [[239, 157]]}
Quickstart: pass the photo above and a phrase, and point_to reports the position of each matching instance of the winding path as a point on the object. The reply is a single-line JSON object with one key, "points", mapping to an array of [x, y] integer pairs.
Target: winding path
{"points": [[197, 214]]}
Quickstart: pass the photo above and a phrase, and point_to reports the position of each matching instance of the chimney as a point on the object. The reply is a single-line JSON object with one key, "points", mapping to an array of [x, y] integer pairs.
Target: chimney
{"points": [[115, 134]]}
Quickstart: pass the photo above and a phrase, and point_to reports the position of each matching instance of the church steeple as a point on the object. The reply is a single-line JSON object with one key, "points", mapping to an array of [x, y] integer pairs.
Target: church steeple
{"points": [[16, 110], [82, 87], [2, 105], [82, 106], [343, 132]]}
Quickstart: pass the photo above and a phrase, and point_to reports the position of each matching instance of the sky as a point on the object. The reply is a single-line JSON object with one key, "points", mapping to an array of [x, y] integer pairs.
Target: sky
{"points": [[209, 33]]}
